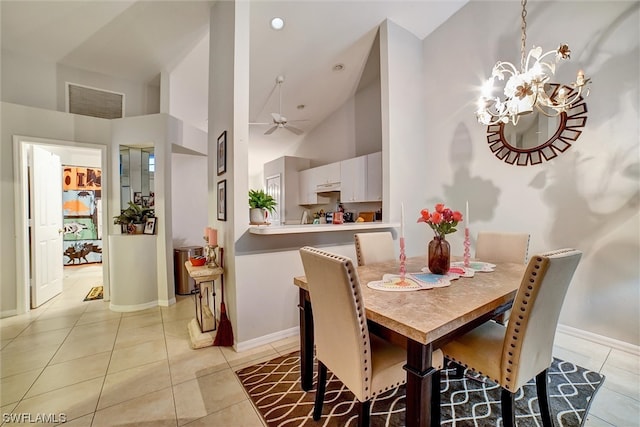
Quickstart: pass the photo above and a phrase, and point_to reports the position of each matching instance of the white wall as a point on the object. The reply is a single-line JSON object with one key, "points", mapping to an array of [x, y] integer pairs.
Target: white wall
{"points": [[28, 81], [223, 59], [189, 189], [588, 197], [36, 83], [33, 122], [189, 87], [405, 178]]}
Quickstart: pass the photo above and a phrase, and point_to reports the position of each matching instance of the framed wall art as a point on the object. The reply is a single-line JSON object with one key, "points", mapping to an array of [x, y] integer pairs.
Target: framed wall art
{"points": [[150, 226], [222, 200], [222, 153]]}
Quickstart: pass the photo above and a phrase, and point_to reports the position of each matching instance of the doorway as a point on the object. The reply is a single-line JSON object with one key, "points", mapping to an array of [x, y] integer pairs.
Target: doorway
{"points": [[31, 261]]}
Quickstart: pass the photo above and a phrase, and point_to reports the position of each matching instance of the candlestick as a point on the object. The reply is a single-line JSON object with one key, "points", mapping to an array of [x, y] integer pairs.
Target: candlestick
{"points": [[403, 260], [467, 246]]}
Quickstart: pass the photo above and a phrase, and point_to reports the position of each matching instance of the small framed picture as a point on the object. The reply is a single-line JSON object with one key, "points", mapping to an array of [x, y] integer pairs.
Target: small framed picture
{"points": [[145, 201], [150, 226], [222, 200], [222, 153], [137, 198]]}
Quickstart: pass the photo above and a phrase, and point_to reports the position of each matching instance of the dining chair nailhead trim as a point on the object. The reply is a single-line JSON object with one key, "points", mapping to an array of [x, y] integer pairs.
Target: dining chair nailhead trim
{"points": [[539, 265]]}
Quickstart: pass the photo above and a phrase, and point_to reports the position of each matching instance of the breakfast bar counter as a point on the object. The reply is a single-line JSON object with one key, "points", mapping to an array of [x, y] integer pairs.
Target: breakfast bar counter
{"points": [[320, 228]]}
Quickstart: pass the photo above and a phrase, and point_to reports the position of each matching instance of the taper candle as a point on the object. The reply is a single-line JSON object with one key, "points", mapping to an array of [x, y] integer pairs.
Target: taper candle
{"points": [[402, 220], [466, 214]]}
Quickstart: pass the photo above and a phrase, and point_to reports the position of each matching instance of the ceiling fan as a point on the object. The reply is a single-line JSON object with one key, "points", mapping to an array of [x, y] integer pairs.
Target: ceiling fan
{"points": [[278, 120]]}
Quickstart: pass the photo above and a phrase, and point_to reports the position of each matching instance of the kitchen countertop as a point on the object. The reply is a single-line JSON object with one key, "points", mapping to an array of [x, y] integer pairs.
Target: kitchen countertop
{"points": [[320, 228]]}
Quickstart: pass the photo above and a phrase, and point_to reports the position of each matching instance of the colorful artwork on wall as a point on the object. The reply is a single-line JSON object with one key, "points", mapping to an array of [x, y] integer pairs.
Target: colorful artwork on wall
{"points": [[81, 178], [83, 252], [80, 229], [81, 205], [78, 203]]}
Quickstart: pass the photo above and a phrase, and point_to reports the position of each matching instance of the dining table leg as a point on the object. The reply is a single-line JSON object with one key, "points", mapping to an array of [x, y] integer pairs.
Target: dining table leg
{"points": [[422, 408], [306, 340]]}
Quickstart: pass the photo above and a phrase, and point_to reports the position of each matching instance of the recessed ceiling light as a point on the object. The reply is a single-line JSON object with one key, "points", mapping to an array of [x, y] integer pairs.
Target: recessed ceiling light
{"points": [[277, 23], [338, 67]]}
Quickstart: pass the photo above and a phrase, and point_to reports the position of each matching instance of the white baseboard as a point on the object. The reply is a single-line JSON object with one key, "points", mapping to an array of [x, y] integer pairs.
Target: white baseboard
{"points": [[266, 339], [8, 313], [136, 307], [166, 303], [600, 339]]}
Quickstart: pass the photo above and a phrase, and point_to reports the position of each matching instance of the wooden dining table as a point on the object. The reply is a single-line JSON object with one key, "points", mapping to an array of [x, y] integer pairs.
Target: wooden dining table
{"points": [[421, 320]]}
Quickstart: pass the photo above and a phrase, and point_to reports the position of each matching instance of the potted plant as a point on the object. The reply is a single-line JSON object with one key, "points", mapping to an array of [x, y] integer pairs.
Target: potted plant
{"points": [[133, 218], [260, 203]]}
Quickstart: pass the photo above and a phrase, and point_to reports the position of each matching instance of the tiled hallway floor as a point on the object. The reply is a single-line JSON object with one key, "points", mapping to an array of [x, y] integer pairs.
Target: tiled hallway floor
{"points": [[102, 368]]}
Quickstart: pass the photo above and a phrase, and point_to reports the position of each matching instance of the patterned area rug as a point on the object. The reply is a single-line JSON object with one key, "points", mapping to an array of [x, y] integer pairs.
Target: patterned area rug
{"points": [[95, 293], [274, 388]]}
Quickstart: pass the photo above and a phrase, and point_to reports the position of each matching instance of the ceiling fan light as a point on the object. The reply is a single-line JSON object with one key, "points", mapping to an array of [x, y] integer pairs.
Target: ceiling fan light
{"points": [[277, 23]]}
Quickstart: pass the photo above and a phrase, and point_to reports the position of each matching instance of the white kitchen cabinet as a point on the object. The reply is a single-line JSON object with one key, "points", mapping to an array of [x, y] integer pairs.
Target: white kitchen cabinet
{"points": [[353, 184], [304, 179], [327, 174], [374, 177], [308, 181]]}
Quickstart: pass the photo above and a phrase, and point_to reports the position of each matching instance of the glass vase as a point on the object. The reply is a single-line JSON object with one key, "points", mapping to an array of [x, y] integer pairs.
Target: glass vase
{"points": [[439, 255]]}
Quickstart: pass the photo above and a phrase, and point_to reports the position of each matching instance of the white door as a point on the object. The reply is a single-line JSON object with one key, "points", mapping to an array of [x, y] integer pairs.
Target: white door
{"points": [[46, 226]]}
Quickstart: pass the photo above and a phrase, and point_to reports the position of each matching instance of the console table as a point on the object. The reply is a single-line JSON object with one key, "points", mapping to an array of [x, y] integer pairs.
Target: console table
{"points": [[204, 274]]}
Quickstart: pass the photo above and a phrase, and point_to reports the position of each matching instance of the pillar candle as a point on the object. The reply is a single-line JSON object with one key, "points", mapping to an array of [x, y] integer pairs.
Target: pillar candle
{"points": [[213, 237], [206, 232]]}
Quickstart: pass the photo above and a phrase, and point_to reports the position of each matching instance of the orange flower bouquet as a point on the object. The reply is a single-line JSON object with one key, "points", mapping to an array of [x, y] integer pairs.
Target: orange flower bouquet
{"points": [[442, 221]]}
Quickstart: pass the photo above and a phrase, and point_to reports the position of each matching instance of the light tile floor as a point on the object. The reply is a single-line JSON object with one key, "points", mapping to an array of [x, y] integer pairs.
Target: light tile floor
{"points": [[102, 368]]}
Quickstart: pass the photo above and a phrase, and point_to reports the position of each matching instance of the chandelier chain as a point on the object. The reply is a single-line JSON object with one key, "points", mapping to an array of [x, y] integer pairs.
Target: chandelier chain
{"points": [[523, 39]]}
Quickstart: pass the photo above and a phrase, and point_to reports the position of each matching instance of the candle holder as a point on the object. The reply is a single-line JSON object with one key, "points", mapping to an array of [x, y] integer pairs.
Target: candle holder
{"points": [[467, 247], [403, 261], [210, 254]]}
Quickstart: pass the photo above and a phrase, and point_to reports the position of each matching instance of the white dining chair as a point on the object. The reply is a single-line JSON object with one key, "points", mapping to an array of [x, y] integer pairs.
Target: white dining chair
{"points": [[374, 247], [366, 364], [514, 354], [492, 246]]}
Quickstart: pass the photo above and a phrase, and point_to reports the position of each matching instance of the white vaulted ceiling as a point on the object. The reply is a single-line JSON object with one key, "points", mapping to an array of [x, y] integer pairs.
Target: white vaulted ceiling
{"points": [[135, 40]]}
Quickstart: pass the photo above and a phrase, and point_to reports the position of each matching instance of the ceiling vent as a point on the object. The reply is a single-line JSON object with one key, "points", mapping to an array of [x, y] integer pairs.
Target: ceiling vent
{"points": [[94, 102]]}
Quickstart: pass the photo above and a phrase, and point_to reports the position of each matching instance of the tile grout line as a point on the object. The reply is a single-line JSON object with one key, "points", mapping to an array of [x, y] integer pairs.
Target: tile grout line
{"points": [[106, 372]]}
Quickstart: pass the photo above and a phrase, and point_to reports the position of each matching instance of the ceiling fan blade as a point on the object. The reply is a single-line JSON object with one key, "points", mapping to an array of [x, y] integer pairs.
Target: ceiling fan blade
{"points": [[260, 123], [276, 117], [294, 130], [271, 130]]}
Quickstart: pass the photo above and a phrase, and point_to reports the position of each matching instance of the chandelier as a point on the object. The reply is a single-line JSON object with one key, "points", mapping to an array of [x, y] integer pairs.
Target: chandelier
{"points": [[524, 89]]}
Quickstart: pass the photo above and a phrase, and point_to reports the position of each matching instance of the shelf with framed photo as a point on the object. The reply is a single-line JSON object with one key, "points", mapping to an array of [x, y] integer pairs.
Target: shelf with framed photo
{"points": [[150, 225]]}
